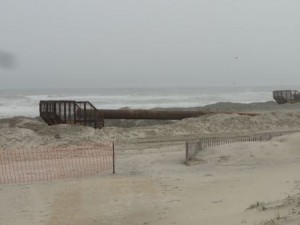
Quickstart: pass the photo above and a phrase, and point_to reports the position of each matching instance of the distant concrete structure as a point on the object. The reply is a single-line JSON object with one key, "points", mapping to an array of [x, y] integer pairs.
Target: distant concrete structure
{"points": [[286, 96]]}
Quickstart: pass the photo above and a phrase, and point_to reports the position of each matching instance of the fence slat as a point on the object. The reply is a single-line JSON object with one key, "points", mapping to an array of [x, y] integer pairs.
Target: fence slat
{"points": [[192, 149]]}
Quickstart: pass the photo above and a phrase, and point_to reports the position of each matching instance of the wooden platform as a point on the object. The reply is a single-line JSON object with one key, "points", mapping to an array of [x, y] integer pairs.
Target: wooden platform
{"points": [[71, 112]]}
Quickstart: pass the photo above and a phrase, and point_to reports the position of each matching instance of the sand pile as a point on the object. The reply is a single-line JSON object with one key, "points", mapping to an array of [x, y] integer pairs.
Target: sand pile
{"points": [[218, 123], [34, 124], [18, 137], [244, 107], [233, 122], [20, 131], [250, 107]]}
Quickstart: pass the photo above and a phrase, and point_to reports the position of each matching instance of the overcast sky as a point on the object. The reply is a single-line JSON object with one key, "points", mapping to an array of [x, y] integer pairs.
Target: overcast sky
{"points": [[148, 43]]}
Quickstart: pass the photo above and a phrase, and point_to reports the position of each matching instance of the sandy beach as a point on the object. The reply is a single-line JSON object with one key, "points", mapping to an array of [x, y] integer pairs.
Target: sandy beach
{"points": [[239, 183]]}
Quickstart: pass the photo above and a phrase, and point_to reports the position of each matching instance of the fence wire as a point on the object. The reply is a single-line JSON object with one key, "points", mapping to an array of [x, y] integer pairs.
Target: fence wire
{"points": [[59, 163]]}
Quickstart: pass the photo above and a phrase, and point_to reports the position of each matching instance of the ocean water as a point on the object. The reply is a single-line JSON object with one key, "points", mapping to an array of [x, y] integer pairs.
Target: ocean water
{"points": [[26, 102]]}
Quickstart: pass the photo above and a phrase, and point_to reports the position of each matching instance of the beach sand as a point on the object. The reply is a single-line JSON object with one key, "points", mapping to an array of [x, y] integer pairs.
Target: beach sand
{"points": [[242, 183]]}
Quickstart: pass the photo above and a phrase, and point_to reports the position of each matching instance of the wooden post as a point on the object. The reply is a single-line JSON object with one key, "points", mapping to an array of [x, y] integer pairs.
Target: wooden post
{"points": [[186, 151], [114, 158]]}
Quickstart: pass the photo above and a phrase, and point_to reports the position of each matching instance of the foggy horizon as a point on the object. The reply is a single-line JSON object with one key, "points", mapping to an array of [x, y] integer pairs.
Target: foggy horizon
{"points": [[134, 44]]}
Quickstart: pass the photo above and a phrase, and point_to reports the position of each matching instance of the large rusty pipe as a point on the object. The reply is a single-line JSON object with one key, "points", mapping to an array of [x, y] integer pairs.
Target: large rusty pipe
{"points": [[156, 114]]}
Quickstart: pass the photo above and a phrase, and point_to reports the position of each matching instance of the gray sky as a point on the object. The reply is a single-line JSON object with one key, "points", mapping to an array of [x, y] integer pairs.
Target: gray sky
{"points": [[138, 43]]}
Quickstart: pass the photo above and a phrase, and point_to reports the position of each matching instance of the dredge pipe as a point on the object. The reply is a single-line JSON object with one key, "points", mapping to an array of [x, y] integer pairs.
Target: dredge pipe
{"points": [[157, 114]]}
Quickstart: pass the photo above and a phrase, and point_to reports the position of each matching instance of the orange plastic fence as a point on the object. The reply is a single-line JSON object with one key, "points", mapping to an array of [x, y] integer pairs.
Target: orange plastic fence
{"points": [[59, 163]]}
